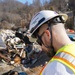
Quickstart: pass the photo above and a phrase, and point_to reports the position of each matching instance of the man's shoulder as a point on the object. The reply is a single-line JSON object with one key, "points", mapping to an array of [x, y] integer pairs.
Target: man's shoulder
{"points": [[56, 67]]}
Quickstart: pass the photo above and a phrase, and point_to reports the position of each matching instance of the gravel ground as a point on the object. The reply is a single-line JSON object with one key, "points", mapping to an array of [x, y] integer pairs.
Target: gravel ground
{"points": [[5, 68]]}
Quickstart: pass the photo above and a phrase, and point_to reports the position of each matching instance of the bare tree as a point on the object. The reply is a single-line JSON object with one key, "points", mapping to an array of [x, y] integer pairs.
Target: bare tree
{"points": [[15, 12]]}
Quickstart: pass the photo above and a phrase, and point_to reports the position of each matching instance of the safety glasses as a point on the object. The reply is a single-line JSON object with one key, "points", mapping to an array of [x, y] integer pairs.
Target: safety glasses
{"points": [[39, 40]]}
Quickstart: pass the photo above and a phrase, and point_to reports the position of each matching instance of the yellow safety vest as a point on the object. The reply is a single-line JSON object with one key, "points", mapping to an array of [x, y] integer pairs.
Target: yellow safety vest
{"points": [[65, 55]]}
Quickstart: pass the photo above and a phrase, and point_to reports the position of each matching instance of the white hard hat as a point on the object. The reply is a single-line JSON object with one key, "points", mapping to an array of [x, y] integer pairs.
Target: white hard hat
{"points": [[41, 17]]}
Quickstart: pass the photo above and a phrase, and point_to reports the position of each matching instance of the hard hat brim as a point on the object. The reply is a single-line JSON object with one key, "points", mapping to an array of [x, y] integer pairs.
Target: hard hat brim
{"points": [[65, 16]]}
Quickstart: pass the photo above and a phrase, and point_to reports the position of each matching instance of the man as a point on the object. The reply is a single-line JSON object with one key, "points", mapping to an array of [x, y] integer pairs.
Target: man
{"points": [[48, 27]]}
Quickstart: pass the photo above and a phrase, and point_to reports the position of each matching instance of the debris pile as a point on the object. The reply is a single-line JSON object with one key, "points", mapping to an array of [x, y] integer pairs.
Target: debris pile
{"points": [[15, 51]]}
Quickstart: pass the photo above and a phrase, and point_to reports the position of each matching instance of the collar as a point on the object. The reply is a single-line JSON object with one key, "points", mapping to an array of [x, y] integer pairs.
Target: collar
{"points": [[67, 48]]}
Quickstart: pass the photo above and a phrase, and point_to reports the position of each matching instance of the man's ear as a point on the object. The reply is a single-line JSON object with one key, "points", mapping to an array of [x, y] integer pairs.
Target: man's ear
{"points": [[47, 32]]}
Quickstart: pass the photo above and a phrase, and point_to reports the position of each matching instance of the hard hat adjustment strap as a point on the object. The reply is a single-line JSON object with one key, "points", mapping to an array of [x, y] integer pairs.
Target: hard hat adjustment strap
{"points": [[50, 29]]}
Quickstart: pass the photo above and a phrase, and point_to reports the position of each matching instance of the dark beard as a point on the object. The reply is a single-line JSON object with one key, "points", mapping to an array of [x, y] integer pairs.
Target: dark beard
{"points": [[51, 52]]}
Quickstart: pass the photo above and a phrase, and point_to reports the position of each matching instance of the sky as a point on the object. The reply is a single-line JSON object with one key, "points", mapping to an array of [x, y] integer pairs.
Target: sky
{"points": [[23, 1], [29, 1]]}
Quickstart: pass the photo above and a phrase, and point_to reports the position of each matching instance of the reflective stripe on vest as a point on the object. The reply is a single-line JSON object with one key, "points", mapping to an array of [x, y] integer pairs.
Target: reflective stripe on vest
{"points": [[65, 58]]}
